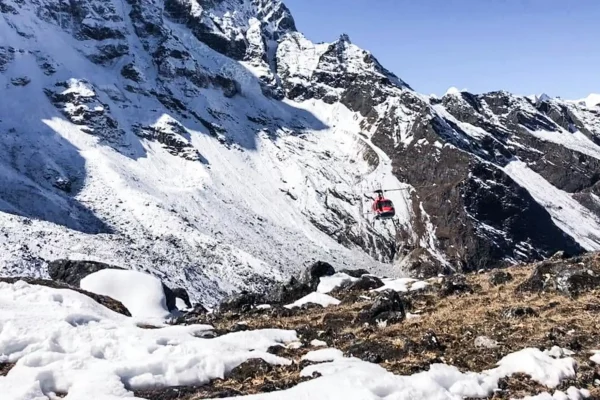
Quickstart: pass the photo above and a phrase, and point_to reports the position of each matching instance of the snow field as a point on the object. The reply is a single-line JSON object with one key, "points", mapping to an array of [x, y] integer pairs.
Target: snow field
{"points": [[63, 341]]}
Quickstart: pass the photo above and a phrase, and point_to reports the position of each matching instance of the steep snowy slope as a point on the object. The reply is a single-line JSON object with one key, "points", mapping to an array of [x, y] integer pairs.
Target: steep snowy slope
{"points": [[170, 160], [212, 144]]}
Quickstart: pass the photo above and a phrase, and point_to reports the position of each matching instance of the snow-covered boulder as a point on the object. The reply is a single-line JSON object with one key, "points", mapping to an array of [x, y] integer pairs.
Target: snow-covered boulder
{"points": [[141, 293], [72, 272]]}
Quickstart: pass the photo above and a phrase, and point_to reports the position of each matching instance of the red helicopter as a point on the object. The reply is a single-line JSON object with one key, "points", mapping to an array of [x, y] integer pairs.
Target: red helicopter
{"points": [[383, 208]]}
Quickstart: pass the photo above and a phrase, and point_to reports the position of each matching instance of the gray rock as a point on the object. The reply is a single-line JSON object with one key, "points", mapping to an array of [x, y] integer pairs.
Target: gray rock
{"points": [[72, 272], [455, 284], [388, 307], [240, 303], [366, 282], [500, 277], [20, 81], [568, 277], [519, 312], [312, 275], [485, 342], [355, 273]]}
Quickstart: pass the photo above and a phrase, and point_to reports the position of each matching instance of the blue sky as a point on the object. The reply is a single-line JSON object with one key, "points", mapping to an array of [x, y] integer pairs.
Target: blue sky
{"points": [[524, 46]]}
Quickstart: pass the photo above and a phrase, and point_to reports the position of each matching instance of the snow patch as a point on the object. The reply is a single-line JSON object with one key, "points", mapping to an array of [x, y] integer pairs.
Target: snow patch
{"points": [[63, 341], [329, 283], [316, 298]]}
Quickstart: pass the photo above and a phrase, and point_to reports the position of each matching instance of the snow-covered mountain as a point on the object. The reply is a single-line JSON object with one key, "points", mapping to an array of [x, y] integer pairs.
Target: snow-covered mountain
{"points": [[212, 144]]}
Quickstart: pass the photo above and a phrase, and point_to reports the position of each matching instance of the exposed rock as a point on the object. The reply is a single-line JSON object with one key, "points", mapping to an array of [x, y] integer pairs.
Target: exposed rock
{"points": [[5, 368], [109, 52], [7, 55], [364, 283], [560, 255], [63, 184], [183, 295], [500, 277], [355, 273], [288, 292], [430, 341], [230, 87], [195, 316], [131, 72], [78, 101], [313, 274], [72, 272], [173, 136], [375, 352], [455, 284], [106, 301], [240, 303], [486, 342], [566, 276], [388, 307], [519, 312], [250, 369], [577, 281], [20, 81]]}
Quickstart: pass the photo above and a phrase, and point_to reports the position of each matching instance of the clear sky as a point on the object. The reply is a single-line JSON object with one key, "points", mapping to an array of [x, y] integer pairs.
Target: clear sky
{"points": [[524, 46]]}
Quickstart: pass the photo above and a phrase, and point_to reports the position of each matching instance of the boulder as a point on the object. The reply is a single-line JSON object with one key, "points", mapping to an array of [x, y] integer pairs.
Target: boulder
{"points": [[250, 369], [455, 284], [364, 283], [500, 277], [570, 278], [575, 282], [288, 292], [312, 275], [182, 294], [355, 273], [519, 312], [240, 303], [388, 307], [485, 342], [72, 272]]}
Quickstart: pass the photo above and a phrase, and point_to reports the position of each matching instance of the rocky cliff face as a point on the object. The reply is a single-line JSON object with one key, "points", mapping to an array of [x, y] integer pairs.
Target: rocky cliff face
{"points": [[212, 144]]}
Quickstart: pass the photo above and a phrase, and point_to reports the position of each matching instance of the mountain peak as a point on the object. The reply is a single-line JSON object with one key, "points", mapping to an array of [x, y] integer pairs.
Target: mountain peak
{"points": [[345, 38], [592, 100]]}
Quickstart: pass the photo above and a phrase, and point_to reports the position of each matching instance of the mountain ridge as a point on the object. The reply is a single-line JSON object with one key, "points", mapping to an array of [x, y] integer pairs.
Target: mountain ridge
{"points": [[212, 144]]}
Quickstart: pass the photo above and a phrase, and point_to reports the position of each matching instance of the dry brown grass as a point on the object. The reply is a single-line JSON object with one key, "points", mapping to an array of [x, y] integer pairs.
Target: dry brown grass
{"points": [[455, 321]]}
